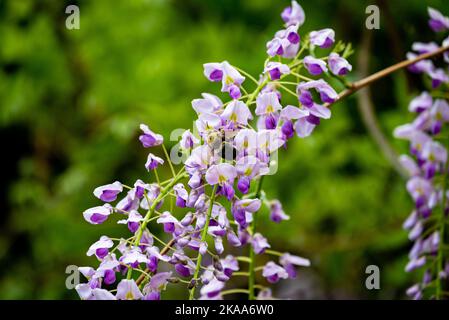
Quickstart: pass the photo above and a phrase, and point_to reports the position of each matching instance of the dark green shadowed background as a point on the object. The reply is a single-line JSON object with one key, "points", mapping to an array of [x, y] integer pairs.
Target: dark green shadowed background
{"points": [[71, 102]]}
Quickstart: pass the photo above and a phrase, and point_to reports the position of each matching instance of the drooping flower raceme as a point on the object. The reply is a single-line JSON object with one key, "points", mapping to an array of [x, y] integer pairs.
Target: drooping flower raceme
{"points": [[214, 200], [427, 166]]}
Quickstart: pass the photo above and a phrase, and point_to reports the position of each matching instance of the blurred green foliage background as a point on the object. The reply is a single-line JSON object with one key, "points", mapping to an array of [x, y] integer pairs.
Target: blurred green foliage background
{"points": [[71, 102]]}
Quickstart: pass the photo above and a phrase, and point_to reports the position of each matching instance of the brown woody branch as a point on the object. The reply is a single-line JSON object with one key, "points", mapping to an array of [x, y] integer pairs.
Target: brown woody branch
{"points": [[356, 86]]}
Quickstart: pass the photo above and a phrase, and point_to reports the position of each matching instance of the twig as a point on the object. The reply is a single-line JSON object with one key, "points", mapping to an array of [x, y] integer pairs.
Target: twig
{"points": [[356, 86]]}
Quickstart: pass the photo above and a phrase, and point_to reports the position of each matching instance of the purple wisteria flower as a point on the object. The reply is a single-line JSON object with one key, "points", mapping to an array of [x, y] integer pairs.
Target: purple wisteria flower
{"points": [[181, 195], [259, 243], [338, 65], [249, 167], [285, 43], [421, 103], [276, 69], [100, 248], [324, 38], [273, 272], [222, 174], [153, 162], [88, 293], [438, 22], [293, 15], [98, 215], [289, 262], [277, 214], [157, 283], [230, 78], [188, 140], [109, 192], [171, 224], [326, 92], [242, 211], [268, 106], [314, 66], [128, 290], [133, 257], [149, 138], [236, 113], [422, 47], [133, 221], [212, 289], [208, 104]]}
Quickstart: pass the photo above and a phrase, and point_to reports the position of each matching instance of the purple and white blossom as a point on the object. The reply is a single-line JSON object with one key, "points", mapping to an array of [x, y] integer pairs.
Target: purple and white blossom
{"points": [[101, 247], [276, 69], [314, 66], [293, 15], [285, 43], [230, 78], [153, 162], [277, 214], [338, 65], [149, 138], [109, 192], [259, 243], [188, 140], [273, 272], [438, 22], [128, 290], [324, 38], [98, 215], [133, 221]]}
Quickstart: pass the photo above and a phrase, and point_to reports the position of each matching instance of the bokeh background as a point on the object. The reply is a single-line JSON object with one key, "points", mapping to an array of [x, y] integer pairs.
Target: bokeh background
{"points": [[71, 102]]}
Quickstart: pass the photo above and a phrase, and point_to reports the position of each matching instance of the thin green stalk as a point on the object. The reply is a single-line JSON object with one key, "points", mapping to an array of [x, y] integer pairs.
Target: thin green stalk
{"points": [[274, 253], [248, 75], [288, 90], [203, 238], [300, 76], [232, 291], [168, 160], [241, 273], [157, 177]]}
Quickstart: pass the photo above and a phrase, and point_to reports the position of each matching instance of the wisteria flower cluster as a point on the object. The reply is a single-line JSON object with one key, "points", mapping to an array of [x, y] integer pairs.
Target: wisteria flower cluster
{"points": [[210, 207], [427, 166]]}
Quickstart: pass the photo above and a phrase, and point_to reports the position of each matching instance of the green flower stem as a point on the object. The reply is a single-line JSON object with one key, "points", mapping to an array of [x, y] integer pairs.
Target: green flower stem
{"points": [[157, 177], [203, 238], [243, 259], [168, 160], [232, 291], [288, 90], [243, 274], [247, 74], [274, 253]]}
